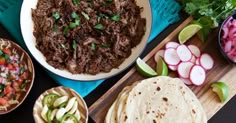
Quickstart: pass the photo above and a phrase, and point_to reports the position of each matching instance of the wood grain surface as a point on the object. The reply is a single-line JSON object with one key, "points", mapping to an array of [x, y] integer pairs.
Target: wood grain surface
{"points": [[222, 71]]}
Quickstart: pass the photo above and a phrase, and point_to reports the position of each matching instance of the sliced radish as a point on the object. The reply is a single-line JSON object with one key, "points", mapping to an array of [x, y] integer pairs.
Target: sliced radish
{"points": [[197, 75], [197, 61], [172, 67], [184, 53], [158, 54], [184, 69], [171, 57], [206, 61], [193, 59], [186, 81], [172, 45], [195, 50]]}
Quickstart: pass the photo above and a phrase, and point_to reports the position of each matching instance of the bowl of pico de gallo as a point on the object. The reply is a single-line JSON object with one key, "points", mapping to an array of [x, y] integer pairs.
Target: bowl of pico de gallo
{"points": [[16, 75]]}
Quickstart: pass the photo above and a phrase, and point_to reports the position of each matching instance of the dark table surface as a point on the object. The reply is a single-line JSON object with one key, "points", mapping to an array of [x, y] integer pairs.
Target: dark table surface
{"points": [[43, 82]]}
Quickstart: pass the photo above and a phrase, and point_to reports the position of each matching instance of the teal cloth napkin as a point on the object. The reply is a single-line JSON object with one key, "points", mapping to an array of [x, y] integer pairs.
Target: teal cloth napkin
{"points": [[164, 12]]}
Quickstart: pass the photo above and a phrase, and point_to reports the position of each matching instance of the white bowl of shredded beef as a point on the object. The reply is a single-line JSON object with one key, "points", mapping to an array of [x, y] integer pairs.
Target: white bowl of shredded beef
{"points": [[86, 39]]}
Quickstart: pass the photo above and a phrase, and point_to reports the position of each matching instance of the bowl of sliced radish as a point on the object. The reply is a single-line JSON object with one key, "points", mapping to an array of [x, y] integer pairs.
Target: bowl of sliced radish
{"points": [[227, 38], [60, 105]]}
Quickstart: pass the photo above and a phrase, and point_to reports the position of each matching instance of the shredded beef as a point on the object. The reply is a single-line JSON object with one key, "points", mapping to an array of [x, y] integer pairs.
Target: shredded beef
{"points": [[91, 36]]}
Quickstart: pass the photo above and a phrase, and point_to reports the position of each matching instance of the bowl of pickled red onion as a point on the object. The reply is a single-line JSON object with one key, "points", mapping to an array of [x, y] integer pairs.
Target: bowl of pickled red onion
{"points": [[227, 38]]}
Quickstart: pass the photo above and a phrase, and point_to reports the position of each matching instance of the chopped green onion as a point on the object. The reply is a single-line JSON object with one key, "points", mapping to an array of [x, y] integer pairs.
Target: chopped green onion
{"points": [[105, 44], [65, 31], [76, 2], [55, 28], [99, 26], [56, 15], [116, 17], [63, 46], [7, 57], [74, 44], [93, 46], [99, 19], [86, 16], [74, 15]]}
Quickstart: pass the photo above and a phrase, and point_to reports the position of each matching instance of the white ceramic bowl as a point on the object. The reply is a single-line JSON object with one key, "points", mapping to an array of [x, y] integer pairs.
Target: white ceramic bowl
{"points": [[27, 32]]}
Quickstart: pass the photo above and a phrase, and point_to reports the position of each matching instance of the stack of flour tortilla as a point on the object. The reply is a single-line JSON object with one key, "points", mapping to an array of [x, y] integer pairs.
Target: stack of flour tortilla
{"points": [[156, 100]]}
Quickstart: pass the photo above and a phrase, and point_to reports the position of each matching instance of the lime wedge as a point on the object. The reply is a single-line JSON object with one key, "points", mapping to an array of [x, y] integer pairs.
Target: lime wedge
{"points": [[221, 89], [161, 67], [187, 32], [145, 69]]}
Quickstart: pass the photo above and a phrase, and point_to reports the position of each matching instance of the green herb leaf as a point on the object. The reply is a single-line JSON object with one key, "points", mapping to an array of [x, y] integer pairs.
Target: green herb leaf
{"points": [[22, 70], [23, 85], [1, 52], [103, 15], [105, 44], [72, 25], [116, 17], [56, 15], [99, 27], [7, 57], [86, 16], [55, 28], [76, 2], [1, 87], [63, 46], [74, 44], [65, 31], [99, 19], [93, 46], [74, 15]]}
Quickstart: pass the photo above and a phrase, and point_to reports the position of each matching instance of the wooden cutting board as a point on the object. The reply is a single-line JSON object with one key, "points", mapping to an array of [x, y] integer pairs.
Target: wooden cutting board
{"points": [[222, 71]]}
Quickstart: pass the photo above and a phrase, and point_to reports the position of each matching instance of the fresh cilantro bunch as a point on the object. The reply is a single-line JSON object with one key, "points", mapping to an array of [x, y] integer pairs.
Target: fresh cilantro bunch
{"points": [[216, 10], [208, 13]]}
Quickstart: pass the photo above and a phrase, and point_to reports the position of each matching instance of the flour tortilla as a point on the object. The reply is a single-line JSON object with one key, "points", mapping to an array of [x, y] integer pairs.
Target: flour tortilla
{"points": [[158, 100]]}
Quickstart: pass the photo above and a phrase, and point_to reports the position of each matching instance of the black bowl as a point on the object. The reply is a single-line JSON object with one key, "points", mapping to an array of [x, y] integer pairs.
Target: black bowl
{"points": [[219, 39]]}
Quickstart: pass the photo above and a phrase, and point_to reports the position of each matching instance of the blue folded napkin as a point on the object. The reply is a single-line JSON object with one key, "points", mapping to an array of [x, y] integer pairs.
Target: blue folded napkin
{"points": [[164, 12]]}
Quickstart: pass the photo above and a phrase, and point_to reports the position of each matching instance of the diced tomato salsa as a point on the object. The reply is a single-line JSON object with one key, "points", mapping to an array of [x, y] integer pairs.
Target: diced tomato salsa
{"points": [[13, 75]]}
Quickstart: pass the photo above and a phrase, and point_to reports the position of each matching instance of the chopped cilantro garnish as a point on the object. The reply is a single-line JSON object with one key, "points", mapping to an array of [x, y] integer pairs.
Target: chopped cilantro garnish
{"points": [[55, 28], [86, 16], [105, 44], [76, 2], [63, 46], [99, 19], [74, 44], [65, 31], [56, 15], [74, 15], [99, 26], [116, 17], [93, 46]]}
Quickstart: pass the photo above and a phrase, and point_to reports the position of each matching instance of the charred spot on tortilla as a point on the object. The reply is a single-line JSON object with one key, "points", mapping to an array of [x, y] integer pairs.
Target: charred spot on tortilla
{"points": [[147, 112], [165, 99], [193, 111], [180, 87], [155, 82], [154, 121], [139, 93], [126, 117], [158, 88]]}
